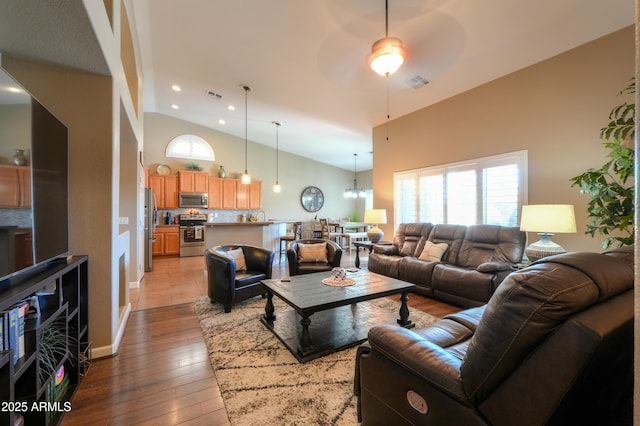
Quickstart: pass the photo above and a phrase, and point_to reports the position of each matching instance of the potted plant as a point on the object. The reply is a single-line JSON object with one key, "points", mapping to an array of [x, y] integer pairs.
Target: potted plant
{"points": [[611, 187], [193, 166]]}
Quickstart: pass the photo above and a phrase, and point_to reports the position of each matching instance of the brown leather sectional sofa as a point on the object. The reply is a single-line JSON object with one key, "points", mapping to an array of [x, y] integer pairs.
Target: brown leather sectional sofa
{"points": [[554, 346], [477, 259]]}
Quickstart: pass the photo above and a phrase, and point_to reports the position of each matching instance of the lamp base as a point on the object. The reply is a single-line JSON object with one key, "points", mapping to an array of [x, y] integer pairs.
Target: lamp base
{"points": [[375, 234], [543, 248]]}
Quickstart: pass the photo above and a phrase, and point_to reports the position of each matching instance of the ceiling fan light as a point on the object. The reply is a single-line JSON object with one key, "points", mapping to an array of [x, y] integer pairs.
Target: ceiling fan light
{"points": [[387, 55]]}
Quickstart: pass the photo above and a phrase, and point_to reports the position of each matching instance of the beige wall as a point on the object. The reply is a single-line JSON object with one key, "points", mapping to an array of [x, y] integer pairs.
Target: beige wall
{"points": [[15, 131], [553, 109], [295, 172]]}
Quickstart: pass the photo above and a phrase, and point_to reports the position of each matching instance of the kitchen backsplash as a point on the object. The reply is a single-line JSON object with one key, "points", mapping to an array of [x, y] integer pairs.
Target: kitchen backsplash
{"points": [[19, 217], [218, 215]]}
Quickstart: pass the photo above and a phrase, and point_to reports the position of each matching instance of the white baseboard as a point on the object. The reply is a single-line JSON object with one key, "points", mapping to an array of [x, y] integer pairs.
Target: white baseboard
{"points": [[112, 349]]}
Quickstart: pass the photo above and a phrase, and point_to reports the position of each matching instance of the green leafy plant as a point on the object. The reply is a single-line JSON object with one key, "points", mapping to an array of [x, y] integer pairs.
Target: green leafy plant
{"points": [[54, 346], [193, 166], [611, 187]]}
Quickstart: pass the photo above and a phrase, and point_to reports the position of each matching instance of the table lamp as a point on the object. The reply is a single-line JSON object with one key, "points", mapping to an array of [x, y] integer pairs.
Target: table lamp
{"points": [[547, 219], [375, 217]]}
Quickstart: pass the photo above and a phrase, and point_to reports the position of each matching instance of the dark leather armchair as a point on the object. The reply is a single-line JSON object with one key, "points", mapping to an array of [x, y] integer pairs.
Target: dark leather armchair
{"points": [[228, 286], [554, 345], [334, 255]]}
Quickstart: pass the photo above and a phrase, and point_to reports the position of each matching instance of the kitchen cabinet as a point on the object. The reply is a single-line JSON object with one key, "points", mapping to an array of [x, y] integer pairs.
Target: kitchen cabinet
{"points": [[229, 194], [215, 193], [15, 186], [165, 188], [193, 181], [61, 330], [23, 248], [171, 191], [249, 197], [24, 177], [167, 241], [255, 195]]}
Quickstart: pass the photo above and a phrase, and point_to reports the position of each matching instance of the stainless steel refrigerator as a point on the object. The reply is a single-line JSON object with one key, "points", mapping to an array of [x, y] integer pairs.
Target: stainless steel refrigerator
{"points": [[150, 220]]}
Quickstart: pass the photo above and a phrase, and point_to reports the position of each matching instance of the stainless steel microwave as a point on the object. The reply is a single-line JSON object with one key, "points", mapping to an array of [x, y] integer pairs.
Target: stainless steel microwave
{"points": [[194, 200]]}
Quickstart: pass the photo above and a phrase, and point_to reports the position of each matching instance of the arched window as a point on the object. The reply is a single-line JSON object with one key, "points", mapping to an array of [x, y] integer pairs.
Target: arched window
{"points": [[190, 147]]}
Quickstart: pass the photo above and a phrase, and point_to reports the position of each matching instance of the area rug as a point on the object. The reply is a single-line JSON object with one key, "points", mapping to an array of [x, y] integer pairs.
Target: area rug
{"points": [[261, 381]]}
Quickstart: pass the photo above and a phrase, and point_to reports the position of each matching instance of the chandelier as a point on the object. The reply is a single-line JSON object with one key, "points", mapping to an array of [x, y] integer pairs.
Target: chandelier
{"points": [[387, 54], [355, 192]]}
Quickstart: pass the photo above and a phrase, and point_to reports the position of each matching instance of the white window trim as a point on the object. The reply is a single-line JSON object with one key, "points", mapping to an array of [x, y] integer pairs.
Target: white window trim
{"points": [[521, 157], [192, 140]]}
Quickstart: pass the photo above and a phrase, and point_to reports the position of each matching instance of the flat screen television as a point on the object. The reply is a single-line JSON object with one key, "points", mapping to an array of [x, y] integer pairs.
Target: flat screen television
{"points": [[34, 227]]}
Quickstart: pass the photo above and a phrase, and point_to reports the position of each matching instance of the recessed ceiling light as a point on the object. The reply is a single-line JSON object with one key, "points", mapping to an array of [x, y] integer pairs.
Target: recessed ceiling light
{"points": [[221, 121], [176, 88], [231, 108], [174, 106]]}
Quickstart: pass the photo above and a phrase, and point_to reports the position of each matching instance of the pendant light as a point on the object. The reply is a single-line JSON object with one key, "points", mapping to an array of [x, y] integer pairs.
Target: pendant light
{"points": [[355, 192], [246, 178], [277, 188], [387, 54]]}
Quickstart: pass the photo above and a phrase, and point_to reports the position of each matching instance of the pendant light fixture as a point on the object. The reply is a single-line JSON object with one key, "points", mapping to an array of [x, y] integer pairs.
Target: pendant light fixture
{"points": [[246, 178], [387, 54], [355, 192], [277, 188]]}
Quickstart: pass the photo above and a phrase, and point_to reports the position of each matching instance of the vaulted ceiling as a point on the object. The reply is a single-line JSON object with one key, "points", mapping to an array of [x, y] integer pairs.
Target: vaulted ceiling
{"points": [[306, 61]]}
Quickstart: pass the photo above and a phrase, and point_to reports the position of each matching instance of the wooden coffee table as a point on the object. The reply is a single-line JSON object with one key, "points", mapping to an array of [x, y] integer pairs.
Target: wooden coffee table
{"points": [[340, 319]]}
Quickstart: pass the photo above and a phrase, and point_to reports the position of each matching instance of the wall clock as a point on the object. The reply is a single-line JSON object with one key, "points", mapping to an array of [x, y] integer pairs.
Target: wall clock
{"points": [[312, 199]]}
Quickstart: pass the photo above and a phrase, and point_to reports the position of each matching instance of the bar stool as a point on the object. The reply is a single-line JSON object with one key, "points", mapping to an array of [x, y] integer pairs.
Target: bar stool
{"points": [[286, 239]]}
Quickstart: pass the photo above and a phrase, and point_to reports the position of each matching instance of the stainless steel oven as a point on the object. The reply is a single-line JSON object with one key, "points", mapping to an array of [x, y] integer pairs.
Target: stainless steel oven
{"points": [[192, 234]]}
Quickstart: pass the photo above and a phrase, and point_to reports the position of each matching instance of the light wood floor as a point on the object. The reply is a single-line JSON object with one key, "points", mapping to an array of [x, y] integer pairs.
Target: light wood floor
{"points": [[162, 374]]}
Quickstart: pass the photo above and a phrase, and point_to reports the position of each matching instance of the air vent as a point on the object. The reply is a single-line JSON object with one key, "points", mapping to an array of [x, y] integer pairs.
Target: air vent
{"points": [[214, 95], [417, 82]]}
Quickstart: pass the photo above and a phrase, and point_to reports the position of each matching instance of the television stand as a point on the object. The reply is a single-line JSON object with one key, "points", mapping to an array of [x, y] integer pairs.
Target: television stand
{"points": [[28, 386]]}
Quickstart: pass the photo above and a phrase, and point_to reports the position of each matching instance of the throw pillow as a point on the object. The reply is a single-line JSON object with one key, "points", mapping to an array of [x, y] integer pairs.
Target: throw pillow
{"points": [[312, 253], [238, 256], [433, 252], [409, 247]]}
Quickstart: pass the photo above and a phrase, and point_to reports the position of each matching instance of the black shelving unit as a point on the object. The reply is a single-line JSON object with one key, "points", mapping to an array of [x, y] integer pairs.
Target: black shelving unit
{"points": [[27, 387]]}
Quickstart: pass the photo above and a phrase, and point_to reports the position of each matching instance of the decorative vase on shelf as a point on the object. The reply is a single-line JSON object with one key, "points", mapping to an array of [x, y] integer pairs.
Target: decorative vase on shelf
{"points": [[19, 158], [222, 172]]}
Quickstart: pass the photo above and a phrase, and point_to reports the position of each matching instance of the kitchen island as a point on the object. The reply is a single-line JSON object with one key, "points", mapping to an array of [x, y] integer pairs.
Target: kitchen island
{"points": [[261, 234]]}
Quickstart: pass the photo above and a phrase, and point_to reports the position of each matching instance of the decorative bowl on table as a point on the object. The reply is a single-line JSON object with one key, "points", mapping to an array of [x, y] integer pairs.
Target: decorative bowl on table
{"points": [[338, 278]]}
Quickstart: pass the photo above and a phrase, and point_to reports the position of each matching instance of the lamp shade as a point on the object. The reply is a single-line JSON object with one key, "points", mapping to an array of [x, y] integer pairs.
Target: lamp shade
{"points": [[548, 218], [387, 54], [375, 216]]}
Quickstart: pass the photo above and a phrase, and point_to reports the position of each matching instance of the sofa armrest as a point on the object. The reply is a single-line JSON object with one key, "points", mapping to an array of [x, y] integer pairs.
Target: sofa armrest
{"points": [[495, 267], [389, 250], [259, 259], [428, 361]]}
